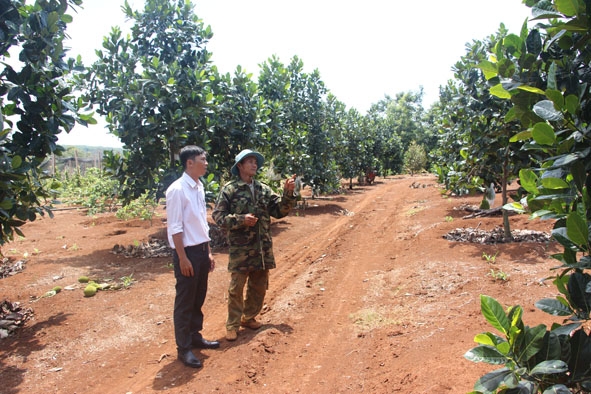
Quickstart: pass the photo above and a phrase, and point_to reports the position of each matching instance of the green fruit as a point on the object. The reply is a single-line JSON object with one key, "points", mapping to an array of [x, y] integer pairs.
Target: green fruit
{"points": [[89, 291], [83, 279], [57, 289]]}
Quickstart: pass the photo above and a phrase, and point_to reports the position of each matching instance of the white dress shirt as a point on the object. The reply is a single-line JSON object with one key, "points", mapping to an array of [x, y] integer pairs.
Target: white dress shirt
{"points": [[186, 211]]}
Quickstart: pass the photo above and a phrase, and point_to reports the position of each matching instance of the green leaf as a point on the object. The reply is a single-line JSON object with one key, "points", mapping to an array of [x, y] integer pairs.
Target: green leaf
{"points": [[531, 89], [490, 382], [554, 183], [556, 97], [543, 134], [552, 76], [577, 230], [521, 136], [560, 235], [500, 92], [545, 110], [488, 68], [494, 313], [529, 181], [553, 307], [548, 367], [486, 354], [534, 338], [572, 104], [6, 204], [567, 7], [16, 161], [514, 207]]}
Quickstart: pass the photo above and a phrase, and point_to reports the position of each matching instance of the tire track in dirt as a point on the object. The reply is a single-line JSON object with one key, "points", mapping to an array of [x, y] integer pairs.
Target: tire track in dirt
{"points": [[329, 280]]}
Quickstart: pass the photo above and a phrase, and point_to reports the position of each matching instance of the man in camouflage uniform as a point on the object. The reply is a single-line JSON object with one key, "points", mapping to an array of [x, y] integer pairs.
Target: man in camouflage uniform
{"points": [[244, 209]]}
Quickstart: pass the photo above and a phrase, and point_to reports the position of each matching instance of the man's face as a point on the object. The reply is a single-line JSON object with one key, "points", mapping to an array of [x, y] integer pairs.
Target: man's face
{"points": [[197, 166], [248, 166]]}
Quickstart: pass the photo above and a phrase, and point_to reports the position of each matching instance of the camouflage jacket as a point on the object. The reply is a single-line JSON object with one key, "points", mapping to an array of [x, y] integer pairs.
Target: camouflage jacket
{"points": [[251, 248]]}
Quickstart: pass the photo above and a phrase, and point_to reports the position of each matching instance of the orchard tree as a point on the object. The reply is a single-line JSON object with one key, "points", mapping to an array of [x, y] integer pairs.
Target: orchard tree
{"points": [[301, 135], [287, 132], [415, 158], [356, 147], [238, 119], [546, 74], [154, 88], [477, 119], [36, 102]]}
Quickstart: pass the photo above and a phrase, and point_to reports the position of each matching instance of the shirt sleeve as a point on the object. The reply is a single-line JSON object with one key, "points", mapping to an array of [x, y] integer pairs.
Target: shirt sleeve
{"points": [[174, 213]]}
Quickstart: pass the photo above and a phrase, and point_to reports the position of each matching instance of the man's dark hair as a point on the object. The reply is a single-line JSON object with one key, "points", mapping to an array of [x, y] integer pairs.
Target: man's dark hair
{"points": [[189, 152]]}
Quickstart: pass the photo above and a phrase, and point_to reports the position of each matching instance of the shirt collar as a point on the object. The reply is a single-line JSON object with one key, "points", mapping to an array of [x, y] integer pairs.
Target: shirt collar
{"points": [[190, 181]]}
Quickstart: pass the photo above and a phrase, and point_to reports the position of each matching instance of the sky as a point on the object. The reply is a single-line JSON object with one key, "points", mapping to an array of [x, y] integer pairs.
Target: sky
{"points": [[363, 50]]}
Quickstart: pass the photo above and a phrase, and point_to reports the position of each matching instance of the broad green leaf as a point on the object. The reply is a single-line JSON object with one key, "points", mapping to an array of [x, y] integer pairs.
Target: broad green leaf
{"points": [[534, 338], [494, 313], [557, 389], [488, 68], [514, 207], [545, 110], [521, 136], [490, 382], [484, 339], [500, 92], [543, 134], [6, 204], [486, 354], [567, 7], [554, 183], [541, 213], [529, 181], [464, 153], [552, 76], [548, 367], [572, 104], [556, 97], [553, 307], [565, 160], [531, 89], [577, 230], [513, 41], [17, 161], [560, 235]]}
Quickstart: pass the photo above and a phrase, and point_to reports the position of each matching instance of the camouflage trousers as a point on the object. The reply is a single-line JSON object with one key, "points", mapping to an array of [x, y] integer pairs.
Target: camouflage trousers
{"points": [[247, 307]]}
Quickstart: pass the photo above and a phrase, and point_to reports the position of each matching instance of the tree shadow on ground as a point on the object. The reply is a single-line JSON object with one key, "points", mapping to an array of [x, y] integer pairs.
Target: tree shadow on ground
{"points": [[22, 345]]}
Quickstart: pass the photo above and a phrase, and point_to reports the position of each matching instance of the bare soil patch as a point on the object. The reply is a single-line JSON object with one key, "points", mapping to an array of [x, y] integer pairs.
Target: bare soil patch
{"points": [[368, 297]]}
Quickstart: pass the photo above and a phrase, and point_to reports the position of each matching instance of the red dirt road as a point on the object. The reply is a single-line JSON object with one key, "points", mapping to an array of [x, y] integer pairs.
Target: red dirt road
{"points": [[367, 298]]}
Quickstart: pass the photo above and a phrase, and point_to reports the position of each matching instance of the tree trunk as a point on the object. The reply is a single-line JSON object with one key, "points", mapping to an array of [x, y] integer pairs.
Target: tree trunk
{"points": [[506, 224]]}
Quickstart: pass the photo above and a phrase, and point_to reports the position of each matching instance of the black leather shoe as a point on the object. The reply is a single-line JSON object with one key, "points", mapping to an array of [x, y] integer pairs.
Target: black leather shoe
{"points": [[189, 359], [202, 343]]}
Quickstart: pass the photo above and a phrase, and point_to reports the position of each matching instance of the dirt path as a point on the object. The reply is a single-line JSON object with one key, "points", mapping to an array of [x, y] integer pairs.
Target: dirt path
{"points": [[367, 297]]}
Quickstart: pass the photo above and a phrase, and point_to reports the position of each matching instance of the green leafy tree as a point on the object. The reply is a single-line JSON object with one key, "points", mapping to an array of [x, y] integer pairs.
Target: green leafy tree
{"points": [[287, 132], [154, 88], [36, 103], [483, 152], [352, 158], [549, 88], [415, 158], [238, 119]]}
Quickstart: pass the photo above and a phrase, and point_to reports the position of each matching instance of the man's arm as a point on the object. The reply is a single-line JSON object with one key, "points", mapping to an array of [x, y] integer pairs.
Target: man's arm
{"points": [[184, 262]]}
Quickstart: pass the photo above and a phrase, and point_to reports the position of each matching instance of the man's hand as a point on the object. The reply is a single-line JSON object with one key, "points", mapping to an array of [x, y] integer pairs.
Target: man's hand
{"points": [[186, 267], [290, 183], [211, 263], [250, 220]]}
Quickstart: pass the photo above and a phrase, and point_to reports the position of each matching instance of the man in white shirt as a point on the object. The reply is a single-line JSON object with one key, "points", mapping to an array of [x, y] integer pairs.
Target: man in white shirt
{"points": [[188, 235]]}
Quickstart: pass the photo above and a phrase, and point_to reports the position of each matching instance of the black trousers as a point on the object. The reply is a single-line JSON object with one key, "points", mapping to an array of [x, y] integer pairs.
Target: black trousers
{"points": [[190, 296]]}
